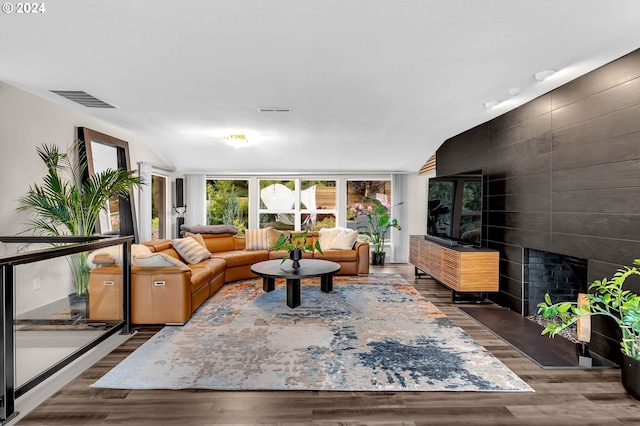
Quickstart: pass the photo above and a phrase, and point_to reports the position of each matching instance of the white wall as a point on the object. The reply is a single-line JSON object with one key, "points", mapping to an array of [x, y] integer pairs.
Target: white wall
{"points": [[418, 203], [26, 122]]}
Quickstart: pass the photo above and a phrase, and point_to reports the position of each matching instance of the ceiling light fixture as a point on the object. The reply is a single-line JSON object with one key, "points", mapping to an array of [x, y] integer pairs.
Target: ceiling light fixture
{"points": [[544, 74], [237, 141], [515, 91], [491, 104]]}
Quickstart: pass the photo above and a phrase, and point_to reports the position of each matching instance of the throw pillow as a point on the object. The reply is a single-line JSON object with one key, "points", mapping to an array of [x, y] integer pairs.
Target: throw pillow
{"points": [[115, 253], [197, 237], [344, 240], [326, 236], [190, 250], [256, 239], [156, 260], [274, 236]]}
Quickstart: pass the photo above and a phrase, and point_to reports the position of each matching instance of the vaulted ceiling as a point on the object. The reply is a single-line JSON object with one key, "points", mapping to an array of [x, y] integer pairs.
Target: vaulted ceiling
{"points": [[372, 85]]}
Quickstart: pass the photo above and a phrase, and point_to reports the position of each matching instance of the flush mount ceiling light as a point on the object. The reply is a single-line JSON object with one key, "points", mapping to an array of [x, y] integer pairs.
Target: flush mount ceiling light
{"points": [[515, 91], [491, 104], [544, 74], [237, 141]]}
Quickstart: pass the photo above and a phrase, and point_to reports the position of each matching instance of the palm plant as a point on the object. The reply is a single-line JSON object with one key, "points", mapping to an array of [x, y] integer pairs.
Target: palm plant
{"points": [[68, 203]]}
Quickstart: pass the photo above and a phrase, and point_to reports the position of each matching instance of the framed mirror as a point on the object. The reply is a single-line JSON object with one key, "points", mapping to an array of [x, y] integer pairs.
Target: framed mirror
{"points": [[104, 151]]}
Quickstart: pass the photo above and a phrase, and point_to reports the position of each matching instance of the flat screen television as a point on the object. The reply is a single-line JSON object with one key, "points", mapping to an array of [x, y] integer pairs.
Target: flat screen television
{"points": [[454, 208]]}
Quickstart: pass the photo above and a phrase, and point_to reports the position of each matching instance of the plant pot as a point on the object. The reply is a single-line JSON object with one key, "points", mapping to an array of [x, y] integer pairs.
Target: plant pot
{"points": [[295, 256], [630, 371], [377, 258], [78, 306]]}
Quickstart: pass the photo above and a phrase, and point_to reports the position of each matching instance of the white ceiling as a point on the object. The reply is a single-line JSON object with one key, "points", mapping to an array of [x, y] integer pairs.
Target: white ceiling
{"points": [[373, 85]]}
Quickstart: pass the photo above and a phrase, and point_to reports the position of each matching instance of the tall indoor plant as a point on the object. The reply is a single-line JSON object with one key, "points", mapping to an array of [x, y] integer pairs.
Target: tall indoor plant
{"points": [[607, 297], [379, 222], [69, 202]]}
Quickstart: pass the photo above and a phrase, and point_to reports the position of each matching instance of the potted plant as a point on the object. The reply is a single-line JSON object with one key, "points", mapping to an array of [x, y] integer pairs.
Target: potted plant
{"points": [[378, 223], [69, 203], [607, 297], [295, 244]]}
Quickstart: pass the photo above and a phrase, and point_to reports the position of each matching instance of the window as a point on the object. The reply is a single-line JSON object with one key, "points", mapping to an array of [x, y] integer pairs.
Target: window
{"points": [[228, 203], [318, 204], [357, 193], [297, 204], [158, 206]]}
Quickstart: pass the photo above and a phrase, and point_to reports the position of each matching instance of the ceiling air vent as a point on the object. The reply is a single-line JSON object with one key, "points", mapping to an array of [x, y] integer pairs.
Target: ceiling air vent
{"points": [[83, 98], [274, 109]]}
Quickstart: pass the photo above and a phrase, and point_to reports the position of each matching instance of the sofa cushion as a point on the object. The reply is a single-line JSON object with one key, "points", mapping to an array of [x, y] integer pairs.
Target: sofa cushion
{"points": [[155, 260], [197, 237], [242, 257], [217, 266], [199, 278], [337, 255], [219, 242], [345, 240], [158, 245], [257, 239], [190, 250]]}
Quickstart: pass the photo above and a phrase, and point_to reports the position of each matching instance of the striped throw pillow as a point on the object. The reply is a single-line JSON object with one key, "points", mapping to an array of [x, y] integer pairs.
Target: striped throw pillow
{"points": [[256, 239]]}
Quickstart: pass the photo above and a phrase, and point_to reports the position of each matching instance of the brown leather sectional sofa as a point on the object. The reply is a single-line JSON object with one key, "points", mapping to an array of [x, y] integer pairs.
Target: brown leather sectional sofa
{"points": [[169, 295]]}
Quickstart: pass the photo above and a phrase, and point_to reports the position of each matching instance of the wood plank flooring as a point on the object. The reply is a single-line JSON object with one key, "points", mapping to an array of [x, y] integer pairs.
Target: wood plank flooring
{"points": [[562, 397]]}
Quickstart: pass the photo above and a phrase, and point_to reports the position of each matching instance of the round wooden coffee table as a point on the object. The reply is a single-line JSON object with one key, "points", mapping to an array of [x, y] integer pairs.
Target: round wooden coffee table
{"points": [[271, 269]]}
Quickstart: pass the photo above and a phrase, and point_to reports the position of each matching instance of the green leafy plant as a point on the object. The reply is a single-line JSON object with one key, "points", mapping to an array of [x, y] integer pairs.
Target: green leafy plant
{"points": [[379, 222], [295, 241], [69, 203], [239, 224], [608, 298]]}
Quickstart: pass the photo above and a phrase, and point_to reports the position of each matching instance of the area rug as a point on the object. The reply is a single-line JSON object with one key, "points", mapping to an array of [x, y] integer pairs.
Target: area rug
{"points": [[374, 333]]}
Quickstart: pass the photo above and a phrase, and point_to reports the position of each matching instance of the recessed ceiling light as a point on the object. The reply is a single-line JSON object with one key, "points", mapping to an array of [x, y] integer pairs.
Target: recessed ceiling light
{"points": [[544, 74], [491, 104], [515, 91]]}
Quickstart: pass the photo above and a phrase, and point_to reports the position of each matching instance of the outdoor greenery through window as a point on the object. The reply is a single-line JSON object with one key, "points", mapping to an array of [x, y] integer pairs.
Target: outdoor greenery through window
{"points": [[357, 193], [297, 204], [228, 203]]}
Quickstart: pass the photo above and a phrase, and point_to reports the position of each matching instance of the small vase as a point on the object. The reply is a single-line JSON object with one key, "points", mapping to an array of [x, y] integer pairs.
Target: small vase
{"points": [[295, 256], [377, 258]]}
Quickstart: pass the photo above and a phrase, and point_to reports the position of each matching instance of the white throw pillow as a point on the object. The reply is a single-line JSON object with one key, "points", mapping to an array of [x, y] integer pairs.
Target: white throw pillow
{"points": [[190, 250], [326, 236], [344, 240], [156, 260], [256, 239], [115, 252]]}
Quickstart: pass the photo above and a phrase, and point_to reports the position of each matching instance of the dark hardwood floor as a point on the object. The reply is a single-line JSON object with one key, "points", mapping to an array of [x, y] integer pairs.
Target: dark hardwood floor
{"points": [[562, 397]]}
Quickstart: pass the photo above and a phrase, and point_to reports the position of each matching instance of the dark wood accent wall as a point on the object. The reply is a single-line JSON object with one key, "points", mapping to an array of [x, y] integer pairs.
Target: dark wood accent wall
{"points": [[561, 174]]}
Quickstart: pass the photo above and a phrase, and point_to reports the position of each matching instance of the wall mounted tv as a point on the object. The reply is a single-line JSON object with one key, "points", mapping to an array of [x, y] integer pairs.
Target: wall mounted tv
{"points": [[454, 208]]}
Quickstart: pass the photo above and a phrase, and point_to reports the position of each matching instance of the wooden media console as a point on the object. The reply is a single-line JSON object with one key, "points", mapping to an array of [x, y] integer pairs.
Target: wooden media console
{"points": [[463, 269]]}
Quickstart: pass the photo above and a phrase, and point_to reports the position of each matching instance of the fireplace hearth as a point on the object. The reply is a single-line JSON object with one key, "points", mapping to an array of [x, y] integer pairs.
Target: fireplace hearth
{"points": [[562, 276]]}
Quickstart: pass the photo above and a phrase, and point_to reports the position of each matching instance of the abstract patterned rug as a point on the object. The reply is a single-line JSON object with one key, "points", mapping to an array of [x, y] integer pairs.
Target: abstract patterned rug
{"points": [[374, 333]]}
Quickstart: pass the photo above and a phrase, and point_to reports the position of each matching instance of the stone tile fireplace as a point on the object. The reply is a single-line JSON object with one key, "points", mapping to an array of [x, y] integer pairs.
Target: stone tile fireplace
{"points": [[562, 276]]}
